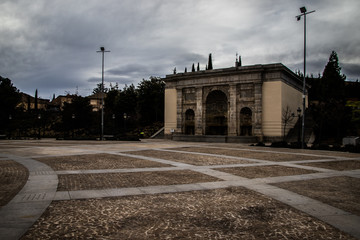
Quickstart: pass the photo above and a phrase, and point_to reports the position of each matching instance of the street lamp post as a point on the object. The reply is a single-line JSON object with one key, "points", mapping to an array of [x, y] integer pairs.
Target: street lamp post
{"points": [[73, 125], [10, 126], [114, 123], [303, 13], [102, 50], [125, 117], [299, 116], [39, 118]]}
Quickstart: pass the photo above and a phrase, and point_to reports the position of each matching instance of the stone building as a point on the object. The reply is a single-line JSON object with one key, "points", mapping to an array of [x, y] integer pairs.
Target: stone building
{"points": [[27, 102], [96, 101], [231, 104]]}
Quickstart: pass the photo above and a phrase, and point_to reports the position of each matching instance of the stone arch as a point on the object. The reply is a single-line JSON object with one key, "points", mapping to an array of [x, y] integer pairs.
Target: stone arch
{"points": [[246, 122], [189, 122], [216, 113]]}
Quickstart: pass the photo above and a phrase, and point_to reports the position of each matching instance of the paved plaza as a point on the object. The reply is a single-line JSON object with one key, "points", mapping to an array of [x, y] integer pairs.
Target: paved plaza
{"points": [[159, 189]]}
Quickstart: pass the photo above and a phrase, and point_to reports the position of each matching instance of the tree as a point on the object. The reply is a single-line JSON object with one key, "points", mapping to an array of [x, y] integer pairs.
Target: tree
{"points": [[198, 67], [151, 100], [355, 117], [98, 88], [9, 99], [36, 100], [314, 92], [193, 68], [28, 103], [77, 114], [126, 101], [110, 101], [330, 114], [333, 82], [210, 65], [287, 117]]}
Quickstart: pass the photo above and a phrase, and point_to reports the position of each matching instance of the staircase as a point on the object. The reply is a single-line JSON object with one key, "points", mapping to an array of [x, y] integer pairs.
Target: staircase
{"points": [[295, 133], [159, 134]]}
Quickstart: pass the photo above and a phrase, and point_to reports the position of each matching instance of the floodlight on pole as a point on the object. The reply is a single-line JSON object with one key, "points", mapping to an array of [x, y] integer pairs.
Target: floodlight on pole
{"points": [[102, 50], [298, 18]]}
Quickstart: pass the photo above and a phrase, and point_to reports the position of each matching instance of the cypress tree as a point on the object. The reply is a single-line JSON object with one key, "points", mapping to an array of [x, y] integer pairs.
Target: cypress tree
{"points": [[193, 68], [198, 67], [36, 100], [210, 65]]}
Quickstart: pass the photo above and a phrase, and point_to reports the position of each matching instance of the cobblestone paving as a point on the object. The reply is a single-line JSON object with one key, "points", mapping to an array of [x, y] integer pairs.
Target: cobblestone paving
{"points": [[322, 153], [234, 213], [337, 165], [175, 170], [97, 161], [72, 182], [341, 192], [189, 158], [277, 157], [13, 177], [265, 171]]}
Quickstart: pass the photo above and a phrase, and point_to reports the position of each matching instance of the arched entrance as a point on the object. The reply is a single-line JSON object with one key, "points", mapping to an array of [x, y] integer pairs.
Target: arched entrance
{"points": [[189, 122], [216, 113], [246, 122]]}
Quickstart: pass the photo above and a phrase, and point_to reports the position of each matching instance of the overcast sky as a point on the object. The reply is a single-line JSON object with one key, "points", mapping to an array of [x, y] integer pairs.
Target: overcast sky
{"points": [[51, 45]]}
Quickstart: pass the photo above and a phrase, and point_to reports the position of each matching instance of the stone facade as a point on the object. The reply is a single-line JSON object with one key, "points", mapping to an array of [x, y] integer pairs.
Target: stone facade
{"points": [[237, 101]]}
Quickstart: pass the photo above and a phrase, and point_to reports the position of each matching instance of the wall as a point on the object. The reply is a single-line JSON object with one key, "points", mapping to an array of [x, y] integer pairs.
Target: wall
{"points": [[271, 114], [278, 95], [170, 111], [291, 98]]}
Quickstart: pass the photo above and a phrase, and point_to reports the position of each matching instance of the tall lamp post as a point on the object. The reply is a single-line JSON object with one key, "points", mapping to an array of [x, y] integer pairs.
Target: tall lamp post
{"points": [[299, 116], [114, 124], [125, 117], [39, 118], [304, 12], [73, 125], [102, 50]]}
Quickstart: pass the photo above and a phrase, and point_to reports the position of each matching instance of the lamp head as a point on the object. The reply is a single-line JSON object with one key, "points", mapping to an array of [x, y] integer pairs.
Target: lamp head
{"points": [[303, 9], [102, 49]]}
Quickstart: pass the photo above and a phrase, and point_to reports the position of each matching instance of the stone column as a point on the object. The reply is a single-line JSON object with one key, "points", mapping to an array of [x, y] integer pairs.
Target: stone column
{"points": [[179, 115], [232, 111], [199, 112]]}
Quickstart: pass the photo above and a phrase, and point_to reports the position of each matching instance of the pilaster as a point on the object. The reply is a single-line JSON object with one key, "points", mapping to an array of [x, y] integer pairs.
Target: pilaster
{"points": [[179, 110], [258, 110], [232, 121], [199, 112]]}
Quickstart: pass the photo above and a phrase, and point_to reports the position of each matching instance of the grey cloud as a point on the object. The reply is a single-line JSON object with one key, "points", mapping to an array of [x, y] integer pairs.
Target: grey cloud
{"points": [[51, 45], [129, 69], [351, 70]]}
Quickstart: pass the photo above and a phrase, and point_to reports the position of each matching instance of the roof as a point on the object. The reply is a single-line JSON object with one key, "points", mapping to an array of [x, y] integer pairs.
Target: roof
{"points": [[233, 70]]}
